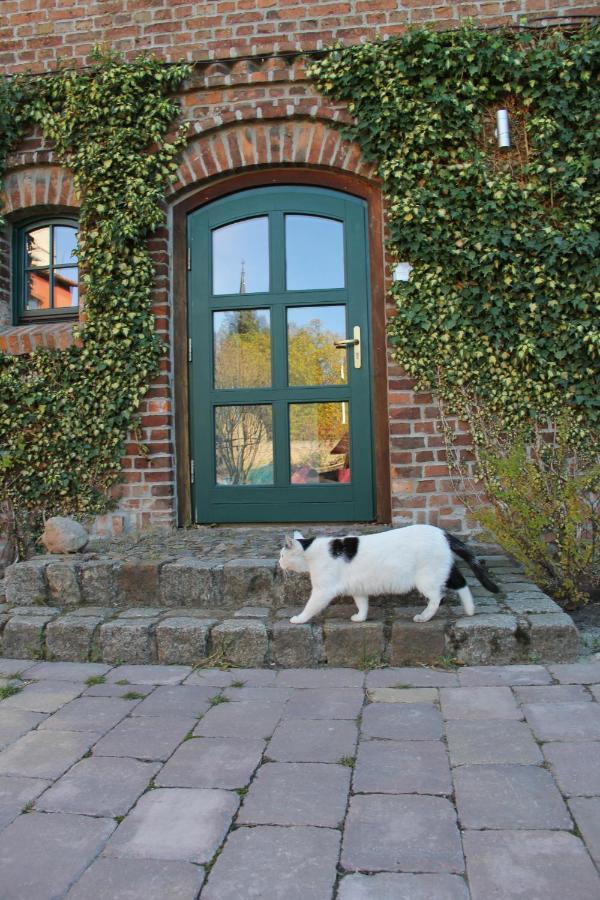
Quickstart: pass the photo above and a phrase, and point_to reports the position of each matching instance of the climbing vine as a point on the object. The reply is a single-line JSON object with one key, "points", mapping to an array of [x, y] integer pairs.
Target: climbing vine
{"points": [[64, 414], [502, 302]]}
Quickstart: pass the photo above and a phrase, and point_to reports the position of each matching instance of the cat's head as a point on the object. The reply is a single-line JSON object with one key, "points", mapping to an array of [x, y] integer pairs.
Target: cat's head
{"points": [[292, 557]]}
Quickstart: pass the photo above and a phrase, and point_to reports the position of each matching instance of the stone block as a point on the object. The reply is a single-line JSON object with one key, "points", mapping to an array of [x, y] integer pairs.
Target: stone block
{"points": [[325, 703], [227, 763], [410, 676], [149, 674], [586, 811], [25, 583], [553, 637], [251, 581], [15, 793], [295, 588], [353, 643], [145, 737], [128, 641], [190, 582], [403, 695], [63, 584], [252, 612], [62, 534], [491, 741], [183, 639], [138, 582], [402, 886], [521, 604], [417, 642], [402, 721], [296, 645], [479, 703], [242, 642], [45, 754], [480, 640], [313, 740], [98, 584], [497, 676], [14, 723], [71, 638], [23, 636], [564, 721], [317, 678], [95, 714], [402, 767], [577, 673], [140, 879], [43, 696], [575, 766], [242, 719]]}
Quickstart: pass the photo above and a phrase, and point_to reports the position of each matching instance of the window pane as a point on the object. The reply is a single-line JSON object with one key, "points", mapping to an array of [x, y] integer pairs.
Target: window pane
{"points": [[66, 288], [242, 348], [241, 257], [314, 253], [312, 358], [65, 245], [244, 444], [37, 294], [37, 247], [319, 443]]}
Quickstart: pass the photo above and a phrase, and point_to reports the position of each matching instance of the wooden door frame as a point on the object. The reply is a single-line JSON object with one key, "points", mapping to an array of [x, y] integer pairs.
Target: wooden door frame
{"points": [[280, 176]]}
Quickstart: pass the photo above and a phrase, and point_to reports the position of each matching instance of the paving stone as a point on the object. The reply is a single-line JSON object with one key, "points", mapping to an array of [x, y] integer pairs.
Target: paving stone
{"points": [[15, 666], [553, 637], [150, 674], [24, 635], [72, 637], [577, 673], [137, 581], [248, 718], [414, 642], [402, 887], [404, 677], [403, 695], [66, 671], [175, 823], [540, 865], [324, 703], [552, 693], [243, 642], [524, 603], [135, 879], [564, 721], [128, 640], [45, 754], [401, 833], [295, 645], [595, 690], [97, 714], [271, 862], [145, 737], [575, 766], [393, 767], [320, 678], [227, 763], [479, 703], [25, 583], [15, 793], [255, 677], [42, 854], [402, 722], [212, 677], [481, 741], [98, 582], [312, 740], [509, 796], [183, 639], [177, 699], [16, 722], [353, 643], [191, 582], [141, 612], [484, 639], [251, 612], [497, 676], [118, 690], [264, 694], [44, 696], [297, 794], [586, 812]]}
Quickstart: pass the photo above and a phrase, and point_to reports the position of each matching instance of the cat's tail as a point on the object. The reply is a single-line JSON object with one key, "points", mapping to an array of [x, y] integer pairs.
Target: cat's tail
{"points": [[471, 560]]}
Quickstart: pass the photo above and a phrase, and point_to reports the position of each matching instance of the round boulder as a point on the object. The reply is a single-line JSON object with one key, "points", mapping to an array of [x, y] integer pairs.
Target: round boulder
{"points": [[64, 535]]}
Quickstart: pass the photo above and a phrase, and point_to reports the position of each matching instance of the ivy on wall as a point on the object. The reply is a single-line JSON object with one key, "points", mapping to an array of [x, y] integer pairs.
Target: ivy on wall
{"points": [[502, 302], [64, 415]]}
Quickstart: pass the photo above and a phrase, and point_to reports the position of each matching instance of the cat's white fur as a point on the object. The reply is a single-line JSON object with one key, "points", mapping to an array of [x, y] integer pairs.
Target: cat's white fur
{"points": [[391, 562]]}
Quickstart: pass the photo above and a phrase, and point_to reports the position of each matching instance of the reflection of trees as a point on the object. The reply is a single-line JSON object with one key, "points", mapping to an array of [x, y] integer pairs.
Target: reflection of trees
{"points": [[312, 357], [243, 350], [241, 431]]}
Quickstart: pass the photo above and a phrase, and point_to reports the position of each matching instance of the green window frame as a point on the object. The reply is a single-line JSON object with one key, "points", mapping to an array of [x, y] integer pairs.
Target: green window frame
{"points": [[48, 275]]}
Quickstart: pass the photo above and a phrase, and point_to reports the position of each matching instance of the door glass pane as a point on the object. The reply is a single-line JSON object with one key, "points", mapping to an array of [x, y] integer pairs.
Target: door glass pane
{"points": [[314, 253], [66, 289], [242, 348], [38, 289], [65, 245], [312, 357], [37, 247], [244, 444], [319, 443], [240, 257]]}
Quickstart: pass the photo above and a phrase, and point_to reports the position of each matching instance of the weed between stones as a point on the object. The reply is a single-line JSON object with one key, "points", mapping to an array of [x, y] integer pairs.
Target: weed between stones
{"points": [[9, 690], [348, 761], [132, 695], [95, 679], [218, 698]]}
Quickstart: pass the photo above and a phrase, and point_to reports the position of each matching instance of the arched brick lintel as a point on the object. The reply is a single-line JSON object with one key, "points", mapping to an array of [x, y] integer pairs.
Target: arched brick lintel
{"points": [[37, 187]]}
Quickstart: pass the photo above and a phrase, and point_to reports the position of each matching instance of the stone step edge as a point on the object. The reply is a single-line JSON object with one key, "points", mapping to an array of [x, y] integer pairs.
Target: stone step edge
{"points": [[161, 636]]}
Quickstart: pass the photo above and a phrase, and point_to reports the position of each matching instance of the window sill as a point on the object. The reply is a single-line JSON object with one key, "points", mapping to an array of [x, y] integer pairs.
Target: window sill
{"points": [[18, 339]]}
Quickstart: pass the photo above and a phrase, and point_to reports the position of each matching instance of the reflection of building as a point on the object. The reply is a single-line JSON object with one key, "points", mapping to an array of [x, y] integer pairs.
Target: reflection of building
{"points": [[65, 290]]}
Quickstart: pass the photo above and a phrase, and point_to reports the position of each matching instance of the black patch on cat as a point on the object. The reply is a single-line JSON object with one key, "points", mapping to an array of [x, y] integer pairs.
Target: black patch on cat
{"points": [[346, 547], [455, 579], [306, 542]]}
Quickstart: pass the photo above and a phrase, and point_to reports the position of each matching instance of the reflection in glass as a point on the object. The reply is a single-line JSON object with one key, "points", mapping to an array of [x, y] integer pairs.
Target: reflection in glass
{"points": [[37, 247], [244, 444], [314, 253], [240, 257], [65, 245], [312, 358], [319, 443], [38, 289], [66, 289], [242, 348]]}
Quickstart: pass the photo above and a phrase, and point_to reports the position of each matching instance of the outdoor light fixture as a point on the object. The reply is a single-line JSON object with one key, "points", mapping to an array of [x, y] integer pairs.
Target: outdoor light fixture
{"points": [[402, 271], [502, 129]]}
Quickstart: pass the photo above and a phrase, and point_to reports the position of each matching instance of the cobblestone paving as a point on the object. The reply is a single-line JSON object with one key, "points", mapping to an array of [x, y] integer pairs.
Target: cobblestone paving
{"points": [[167, 783]]}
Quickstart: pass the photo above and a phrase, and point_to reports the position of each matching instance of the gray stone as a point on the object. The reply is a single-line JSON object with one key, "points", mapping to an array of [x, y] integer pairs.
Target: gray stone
{"points": [[401, 833], [317, 678], [145, 737], [175, 823], [24, 635], [251, 612], [402, 722], [296, 588], [226, 763], [255, 677], [484, 639], [553, 637], [41, 610], [497, 676], [141, 612], [191, 582], [402, 887], [403, 695], [353, 643], [541, 865], [411, 767], [97, 714], [577, 673], [25, 583], [251, 581], [128, 641], [487, 741], [44, 697], [586, 812], [13, 667], [14, 723], [403, 677], [176, 700], [247, 718], [183, 639], [45, 754], [137, 581], [242, 642], [66, 671], [564, 721], [552, 693], [575, 766], [150, 674], [71, 637], [118, 690], [63, 586], [42, 854], [98, 583], [326, 703], [15, 793], [136, 879], [264, 694], [297, 794], [509, 796], [295, 645], [417, 642], [62, 534], [99, 786], [313, 740], [479, 703], [270, 861], [520, 604]]}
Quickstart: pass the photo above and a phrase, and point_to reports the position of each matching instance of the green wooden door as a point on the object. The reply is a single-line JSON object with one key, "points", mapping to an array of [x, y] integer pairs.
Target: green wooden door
{"points": [[280, 418]]}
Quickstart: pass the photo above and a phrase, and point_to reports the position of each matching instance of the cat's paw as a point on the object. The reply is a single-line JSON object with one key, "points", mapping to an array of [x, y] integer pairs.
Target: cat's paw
{"points": [[358, 617], [297, 620], [421, 617]]}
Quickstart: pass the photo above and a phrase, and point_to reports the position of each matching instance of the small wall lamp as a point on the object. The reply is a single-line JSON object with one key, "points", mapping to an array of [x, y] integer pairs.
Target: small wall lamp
{"points": [[402, 271], [502, 129]]}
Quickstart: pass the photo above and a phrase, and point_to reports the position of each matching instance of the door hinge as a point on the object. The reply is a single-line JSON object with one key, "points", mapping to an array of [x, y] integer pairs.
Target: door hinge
{"points": [[189, 258], [192, 471], [189, 349]]}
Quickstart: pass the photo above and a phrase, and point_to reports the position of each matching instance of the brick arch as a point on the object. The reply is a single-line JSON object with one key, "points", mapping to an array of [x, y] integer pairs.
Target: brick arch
{"points": [[37, 186]]}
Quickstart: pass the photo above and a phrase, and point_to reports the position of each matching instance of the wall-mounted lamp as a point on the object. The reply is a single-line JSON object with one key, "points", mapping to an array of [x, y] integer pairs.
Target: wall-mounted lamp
{"points": [[402, 271], [502, 129]]}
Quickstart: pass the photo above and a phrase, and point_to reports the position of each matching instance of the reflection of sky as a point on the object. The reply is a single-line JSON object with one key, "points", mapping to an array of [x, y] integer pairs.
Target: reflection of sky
{"points": [[246, 241], [228, 322], [65, 245], [314, 253], [331, 318]]}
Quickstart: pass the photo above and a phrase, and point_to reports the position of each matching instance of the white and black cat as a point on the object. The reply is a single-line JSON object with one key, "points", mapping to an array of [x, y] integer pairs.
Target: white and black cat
{"points": [[392, 562]]}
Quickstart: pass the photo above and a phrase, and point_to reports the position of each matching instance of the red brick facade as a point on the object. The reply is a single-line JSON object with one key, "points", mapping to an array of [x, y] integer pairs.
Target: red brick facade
{"points": [[248, 114]]}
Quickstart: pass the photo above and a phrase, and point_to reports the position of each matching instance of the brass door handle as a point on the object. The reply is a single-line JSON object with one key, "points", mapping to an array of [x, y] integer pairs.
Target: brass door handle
{"points": [[349, 342], [352, 342]]}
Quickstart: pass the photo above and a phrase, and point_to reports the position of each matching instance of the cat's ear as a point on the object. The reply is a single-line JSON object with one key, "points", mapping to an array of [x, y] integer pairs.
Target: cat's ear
{"points": [[288, 542], [298, 535]]}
